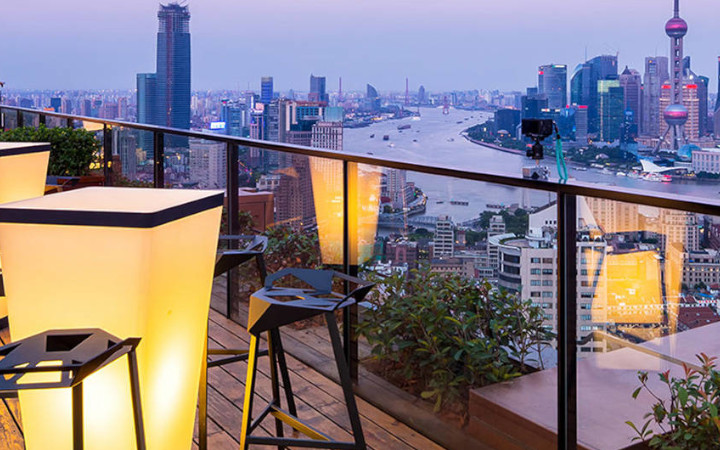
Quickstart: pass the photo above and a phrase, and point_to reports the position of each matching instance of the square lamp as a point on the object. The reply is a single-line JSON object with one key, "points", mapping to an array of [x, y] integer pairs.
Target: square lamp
{"points": [[23, 169], [134, 262]]}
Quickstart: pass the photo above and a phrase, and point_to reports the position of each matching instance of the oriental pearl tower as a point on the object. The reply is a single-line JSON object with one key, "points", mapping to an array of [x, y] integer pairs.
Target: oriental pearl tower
{"points": [[676, 114]]}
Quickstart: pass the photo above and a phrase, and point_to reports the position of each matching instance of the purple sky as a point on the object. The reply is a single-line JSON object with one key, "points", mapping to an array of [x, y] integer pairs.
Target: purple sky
{"points": [[446, 44]]}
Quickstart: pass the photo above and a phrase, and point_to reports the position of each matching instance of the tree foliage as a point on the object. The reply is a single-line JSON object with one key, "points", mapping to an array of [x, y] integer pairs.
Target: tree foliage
{"points": [[449, 333], [71, 150]]}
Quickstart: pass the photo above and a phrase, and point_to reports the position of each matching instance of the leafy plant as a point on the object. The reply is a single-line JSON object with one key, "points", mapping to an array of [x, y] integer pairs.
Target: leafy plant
{"points": [[448, 333], [689, 420], [71, 150]]}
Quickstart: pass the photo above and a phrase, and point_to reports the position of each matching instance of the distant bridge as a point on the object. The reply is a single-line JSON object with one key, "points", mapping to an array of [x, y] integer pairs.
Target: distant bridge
{"points": [[401, 221]]}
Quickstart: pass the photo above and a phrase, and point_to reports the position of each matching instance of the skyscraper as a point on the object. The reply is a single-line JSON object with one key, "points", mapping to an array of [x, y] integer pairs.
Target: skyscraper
{"points": [[266, 90], [317, 90], [656, 73], [610, 112], [552, 81], [584, 85], [163, 98], [173, 67], [631, 83]]}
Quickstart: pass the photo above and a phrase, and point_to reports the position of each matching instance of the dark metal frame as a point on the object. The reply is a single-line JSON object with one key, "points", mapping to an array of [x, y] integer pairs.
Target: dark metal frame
{"points": [[95, 350], [565, 192]]}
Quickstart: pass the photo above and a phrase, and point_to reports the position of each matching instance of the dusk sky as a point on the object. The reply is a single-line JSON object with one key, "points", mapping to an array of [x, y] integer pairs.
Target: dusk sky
{"points": [[446, 44]]}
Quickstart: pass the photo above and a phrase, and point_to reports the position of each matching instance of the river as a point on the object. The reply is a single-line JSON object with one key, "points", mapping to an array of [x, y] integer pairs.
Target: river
{"points": [[435, 139]]}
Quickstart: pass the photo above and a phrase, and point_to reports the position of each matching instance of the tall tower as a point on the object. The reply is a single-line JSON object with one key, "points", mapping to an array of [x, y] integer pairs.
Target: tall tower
{"points": [[173, 66], [676, 114], [266, 90]]}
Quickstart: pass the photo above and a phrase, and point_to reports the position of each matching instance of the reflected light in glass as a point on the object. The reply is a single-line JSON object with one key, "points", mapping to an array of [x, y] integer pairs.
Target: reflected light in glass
{"points": [[364, 202]]}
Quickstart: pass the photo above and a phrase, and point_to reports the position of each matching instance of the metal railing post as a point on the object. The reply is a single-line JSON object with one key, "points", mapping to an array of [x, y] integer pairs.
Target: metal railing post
{"points": [[70, 123], [107, 154], [567, 320], [233, 227], [350, 313], [20, 119], [42, 119], [158, 159]]}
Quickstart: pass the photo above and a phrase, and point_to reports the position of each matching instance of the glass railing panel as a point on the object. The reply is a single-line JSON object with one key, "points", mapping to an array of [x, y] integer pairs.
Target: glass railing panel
{"points": [[132, 161], [8, 119], [464, 311], [55, 122], [30, 119], [648, 281]]}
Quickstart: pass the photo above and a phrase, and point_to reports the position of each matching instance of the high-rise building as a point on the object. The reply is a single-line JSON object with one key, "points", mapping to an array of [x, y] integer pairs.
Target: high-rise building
{"points": [[580, 85], [208, 162], [422, 96], [631, 83], [173, 69], [656, 73], [507, 119], [163, 98], [317, 90], [443, 243], [552, 81], [125, 145], [266, 90], [327, 135], [56, 103], [533, 104], [610, 110], [234, 115], [702, 85], [146, 101], [372, 99], [584, 85]]}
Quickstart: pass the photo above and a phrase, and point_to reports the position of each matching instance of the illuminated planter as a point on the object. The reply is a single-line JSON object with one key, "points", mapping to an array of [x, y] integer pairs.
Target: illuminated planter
{"points": [[23, 169], [134, 262], [364, 202]]}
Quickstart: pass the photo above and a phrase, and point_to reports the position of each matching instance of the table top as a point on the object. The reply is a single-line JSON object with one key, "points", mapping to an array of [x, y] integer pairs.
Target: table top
{"points": [[21, 148], [111, 206]]}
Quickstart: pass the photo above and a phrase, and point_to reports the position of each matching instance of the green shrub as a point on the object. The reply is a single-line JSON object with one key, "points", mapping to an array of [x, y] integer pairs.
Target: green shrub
{"points": [[448, 333], [689, 420], [72, 150]]}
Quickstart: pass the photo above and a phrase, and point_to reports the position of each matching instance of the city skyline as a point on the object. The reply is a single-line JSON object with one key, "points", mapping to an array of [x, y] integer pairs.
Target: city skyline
{"points": [[425, 42]]}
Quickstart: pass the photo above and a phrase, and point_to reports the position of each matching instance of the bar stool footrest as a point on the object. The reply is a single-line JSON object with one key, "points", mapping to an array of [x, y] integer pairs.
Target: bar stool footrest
{"points": [[239, 355], [306, 443]]}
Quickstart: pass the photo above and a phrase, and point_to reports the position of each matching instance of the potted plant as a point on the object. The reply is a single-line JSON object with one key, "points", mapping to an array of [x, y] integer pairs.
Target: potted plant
{"points": [[72, 152], [689, 419]]}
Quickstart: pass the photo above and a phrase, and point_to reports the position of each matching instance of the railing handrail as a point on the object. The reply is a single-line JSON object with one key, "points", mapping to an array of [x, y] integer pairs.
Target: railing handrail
{"points": [[700, 205]]}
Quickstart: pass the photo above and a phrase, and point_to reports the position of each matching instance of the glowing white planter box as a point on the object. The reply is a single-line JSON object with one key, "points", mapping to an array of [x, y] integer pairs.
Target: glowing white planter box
{"points": [[136, 263], [23, 170]]}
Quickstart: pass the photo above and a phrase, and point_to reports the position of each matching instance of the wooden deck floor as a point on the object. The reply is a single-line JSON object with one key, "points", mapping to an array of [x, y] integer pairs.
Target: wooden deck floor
{"points": [[319, 399]]}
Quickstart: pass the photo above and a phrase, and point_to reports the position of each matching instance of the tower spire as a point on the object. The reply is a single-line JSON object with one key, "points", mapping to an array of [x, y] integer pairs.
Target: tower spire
{"points": [[677, 8]]}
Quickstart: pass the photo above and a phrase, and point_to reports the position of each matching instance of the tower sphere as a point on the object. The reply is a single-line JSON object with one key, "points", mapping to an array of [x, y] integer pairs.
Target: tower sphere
{"points": [[676, 27], [675, 115]]}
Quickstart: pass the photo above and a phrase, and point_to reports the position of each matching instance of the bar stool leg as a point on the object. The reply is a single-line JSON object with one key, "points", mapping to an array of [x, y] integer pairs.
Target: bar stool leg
{"points": [[77, 415], [136, 403], [249, 392], [277, 342], [345, 381], [202, 400], [272, 353]]}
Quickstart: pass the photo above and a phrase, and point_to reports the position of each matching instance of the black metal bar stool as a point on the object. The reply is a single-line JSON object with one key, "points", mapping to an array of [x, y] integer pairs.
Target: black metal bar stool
{"points": [[82, 352], [273, 307], [250, 247]]}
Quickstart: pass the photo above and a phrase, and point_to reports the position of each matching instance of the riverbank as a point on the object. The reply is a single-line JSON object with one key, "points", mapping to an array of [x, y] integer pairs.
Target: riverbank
{"points": [[492, 146]]}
